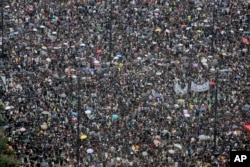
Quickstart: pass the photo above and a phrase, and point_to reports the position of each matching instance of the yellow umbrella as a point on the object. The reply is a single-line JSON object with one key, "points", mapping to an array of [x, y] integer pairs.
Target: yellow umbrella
{"points": [[199, 31], [180, 101], [191, 106], [223, 53], [158, 29], [120, 65], [83, 137]]}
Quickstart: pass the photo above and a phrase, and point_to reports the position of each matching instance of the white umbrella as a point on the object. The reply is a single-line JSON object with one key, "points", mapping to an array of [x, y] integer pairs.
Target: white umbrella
{"points": [[144, 153], [90, 151], [73, 76], [9, 107], [63, 95], [34, 29], [48, 60], [178, 146], [158, 73], [203, 137], [88, 112], [46, 113], [171, 151]]}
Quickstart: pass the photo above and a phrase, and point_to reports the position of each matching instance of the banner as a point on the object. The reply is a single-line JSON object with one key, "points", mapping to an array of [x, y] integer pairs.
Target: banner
{"points": [[178, 90], [200, 88], [4, 80]]}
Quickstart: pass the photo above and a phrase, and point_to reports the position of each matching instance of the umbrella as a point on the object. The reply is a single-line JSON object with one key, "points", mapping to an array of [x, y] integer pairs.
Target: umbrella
{"points": [[157, 137], [237, 76], [54, 116], [144, 153], [91, 116], [211, 83], [44, 164], [99, 51], [158, 29], [87, 112], [183, 26], [245, 41], [171, 151], [46, 113], [195, 65], [44, 47], [115, 116], [74, 119], [48, 60], [158, 73], [178, 146], [157, 143], [6, 127], [9, 107], [96, 63], [90, 151], [22, 129], [203, 137], [63, 95], [83, 137], [74, 113]]}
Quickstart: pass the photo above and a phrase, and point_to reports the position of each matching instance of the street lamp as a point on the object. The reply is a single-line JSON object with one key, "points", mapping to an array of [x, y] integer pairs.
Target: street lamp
{"points": [[2, 22], [110, 32], [215, 106], [77, 78]]}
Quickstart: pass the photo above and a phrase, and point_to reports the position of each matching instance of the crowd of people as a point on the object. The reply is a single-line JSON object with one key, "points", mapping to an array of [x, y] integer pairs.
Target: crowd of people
{"points": [[125, 83]]}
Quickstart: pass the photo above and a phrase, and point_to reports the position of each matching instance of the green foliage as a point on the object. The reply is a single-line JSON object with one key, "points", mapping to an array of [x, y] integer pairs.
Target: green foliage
{"points": [[8, 161], [1, 107], [7, 157]]}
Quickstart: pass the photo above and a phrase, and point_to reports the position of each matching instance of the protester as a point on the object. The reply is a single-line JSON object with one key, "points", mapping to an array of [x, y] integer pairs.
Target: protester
{"points": [[152, 81]]}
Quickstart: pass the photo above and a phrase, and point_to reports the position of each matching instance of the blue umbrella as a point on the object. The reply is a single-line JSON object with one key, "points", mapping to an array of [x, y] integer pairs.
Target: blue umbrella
{"points": [[6, 127], [74, 113], [115, 116], [54, 116], [89, 108], [91, 116], [237, 76]]}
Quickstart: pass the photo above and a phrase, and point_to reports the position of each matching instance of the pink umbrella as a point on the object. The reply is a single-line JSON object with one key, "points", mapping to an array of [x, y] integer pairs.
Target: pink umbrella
{"points": [[157, 143], [96, 63], [73, 119], [99, 51], [183, 26], [245, 41], [157, 137], [22, 129]]}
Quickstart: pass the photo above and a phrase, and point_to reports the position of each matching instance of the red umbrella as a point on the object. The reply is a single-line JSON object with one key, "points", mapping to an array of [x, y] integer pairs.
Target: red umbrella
{"points": [[183, 26], [245, 41], [211, 83], [99, 51]]}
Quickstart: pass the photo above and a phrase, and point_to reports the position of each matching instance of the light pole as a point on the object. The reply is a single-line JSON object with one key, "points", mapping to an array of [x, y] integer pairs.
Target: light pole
{"points": [[110, 32], [2, 22], [216, 79], [215, 107]]}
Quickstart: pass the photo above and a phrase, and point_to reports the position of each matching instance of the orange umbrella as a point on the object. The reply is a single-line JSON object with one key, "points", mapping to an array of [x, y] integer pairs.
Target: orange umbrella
{"points": [[245, 41]]}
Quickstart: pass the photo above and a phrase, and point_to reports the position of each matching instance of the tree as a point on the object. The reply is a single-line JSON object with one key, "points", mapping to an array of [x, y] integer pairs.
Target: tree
{"points": [[7, 155]]}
